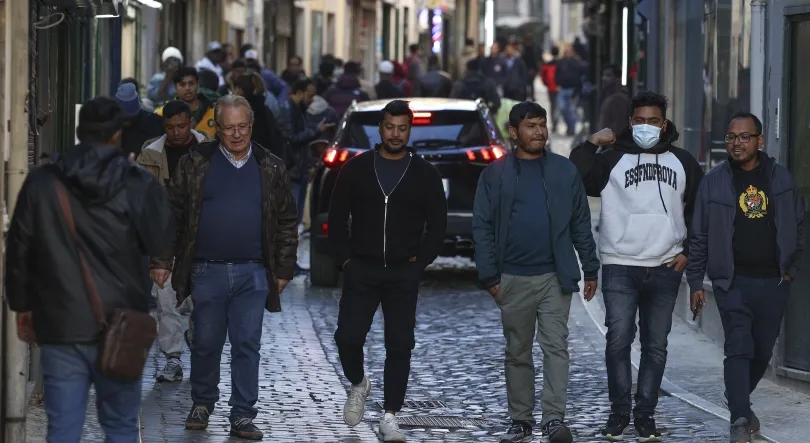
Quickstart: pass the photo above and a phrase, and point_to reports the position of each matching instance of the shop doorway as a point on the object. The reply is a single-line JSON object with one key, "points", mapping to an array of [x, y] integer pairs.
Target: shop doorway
{"points": [[797, 333]]}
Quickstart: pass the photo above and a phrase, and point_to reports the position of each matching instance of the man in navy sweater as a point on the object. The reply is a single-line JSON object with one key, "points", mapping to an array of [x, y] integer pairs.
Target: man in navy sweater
{"points": [[235, 252]]}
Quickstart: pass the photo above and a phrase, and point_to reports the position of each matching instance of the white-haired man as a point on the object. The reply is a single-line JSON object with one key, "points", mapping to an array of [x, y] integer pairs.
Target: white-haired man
{"points": [[233, 256]]}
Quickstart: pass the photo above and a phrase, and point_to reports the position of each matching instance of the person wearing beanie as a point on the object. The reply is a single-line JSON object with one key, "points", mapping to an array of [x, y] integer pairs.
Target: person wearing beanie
{"points": [[161, 86], [139, 125], [385, 88]]}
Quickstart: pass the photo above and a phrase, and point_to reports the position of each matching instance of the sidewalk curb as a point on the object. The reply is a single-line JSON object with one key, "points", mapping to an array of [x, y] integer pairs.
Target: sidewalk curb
{"points": [[681, 394]]}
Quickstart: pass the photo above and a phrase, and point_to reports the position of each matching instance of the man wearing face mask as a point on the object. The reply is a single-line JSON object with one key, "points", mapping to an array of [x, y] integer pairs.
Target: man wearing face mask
{"points": [[648, 190], [398, 212], [748, 237]]}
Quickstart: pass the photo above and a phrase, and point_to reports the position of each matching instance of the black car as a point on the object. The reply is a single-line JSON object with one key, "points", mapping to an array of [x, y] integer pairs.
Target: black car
{"points": [[460, 137]]}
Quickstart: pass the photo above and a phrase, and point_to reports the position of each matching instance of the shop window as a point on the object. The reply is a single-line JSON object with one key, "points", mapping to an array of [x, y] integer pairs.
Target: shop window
{"points": [[316, 41], [797, 334], [728, 68]]}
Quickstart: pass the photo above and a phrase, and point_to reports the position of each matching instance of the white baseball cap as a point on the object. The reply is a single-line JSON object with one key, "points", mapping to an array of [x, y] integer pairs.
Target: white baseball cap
{"points": [[252, 54], [214, 46], [171, 52], [386, 67]]}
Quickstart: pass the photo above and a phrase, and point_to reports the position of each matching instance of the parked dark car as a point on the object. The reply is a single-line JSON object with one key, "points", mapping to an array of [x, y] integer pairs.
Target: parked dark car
{"points": [[460, 137]]}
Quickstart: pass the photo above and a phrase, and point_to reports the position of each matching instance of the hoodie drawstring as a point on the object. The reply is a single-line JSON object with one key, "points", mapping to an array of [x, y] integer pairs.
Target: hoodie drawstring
{"points": [[657, 180]]}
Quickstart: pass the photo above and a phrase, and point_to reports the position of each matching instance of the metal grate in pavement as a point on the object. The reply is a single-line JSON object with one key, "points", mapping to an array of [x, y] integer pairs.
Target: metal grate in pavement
{"points": [[440, 421], [420, 404]]}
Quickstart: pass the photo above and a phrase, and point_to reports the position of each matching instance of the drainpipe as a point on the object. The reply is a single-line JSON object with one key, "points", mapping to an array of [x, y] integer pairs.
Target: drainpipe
{"points": [[758, 31], [251, 22], [15, 352]]}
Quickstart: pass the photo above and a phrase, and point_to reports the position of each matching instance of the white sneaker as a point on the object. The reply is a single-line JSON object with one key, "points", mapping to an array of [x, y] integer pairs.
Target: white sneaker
{"points": [[389, 429], [355, 405]]}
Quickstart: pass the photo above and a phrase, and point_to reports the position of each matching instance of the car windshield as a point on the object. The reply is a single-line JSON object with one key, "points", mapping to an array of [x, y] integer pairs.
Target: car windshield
{"points": [[431, 130]]}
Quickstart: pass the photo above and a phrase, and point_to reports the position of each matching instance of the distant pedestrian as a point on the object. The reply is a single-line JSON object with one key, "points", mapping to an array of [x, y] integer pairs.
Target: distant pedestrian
{"points": [[615, 109], [347, 89], [294, 71], [212, 61], [434, 82], [475, 86], [139, 125], [748, 238], [187, 83], [648, 188], [525, 258], [414, 63], [235, 253], [386, 88], [548, 73], [398, 212], [161, 85], [160, 157], [517, 74], [79, 232], [568, 77]]}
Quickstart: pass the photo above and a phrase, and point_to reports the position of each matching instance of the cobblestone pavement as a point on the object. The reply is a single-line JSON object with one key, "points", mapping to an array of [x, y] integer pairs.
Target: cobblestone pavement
{"points": [[459, 360]]}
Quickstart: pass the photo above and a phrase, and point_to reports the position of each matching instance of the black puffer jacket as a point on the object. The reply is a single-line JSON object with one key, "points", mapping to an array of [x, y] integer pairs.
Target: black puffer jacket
{"points": [[121, 213]]}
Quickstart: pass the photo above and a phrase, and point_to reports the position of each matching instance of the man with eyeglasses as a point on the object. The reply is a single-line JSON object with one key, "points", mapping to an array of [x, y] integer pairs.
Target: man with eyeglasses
{"points": [[234, 254], [747, 237]]}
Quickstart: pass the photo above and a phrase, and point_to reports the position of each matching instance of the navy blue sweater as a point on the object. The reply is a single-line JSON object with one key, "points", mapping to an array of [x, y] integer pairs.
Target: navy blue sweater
{"points": [[231, 214], [528, 242]]}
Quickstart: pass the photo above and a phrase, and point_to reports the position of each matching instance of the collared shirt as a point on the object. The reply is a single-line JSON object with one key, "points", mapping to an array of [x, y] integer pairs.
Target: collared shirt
{"points": [[238, 163]]}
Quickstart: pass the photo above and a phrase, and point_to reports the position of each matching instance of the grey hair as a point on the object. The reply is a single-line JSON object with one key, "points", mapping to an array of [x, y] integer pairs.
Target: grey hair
{"points": [[231, 101]]}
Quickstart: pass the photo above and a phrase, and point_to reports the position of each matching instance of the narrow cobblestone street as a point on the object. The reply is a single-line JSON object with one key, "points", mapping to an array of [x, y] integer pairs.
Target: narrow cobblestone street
{"points": [[458, 361]]}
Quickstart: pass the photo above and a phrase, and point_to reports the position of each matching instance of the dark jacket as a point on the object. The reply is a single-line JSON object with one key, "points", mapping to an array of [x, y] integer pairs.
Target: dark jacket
{"points": [[434, 83], [711, 252], [569, 73], [121, 214], [341, 95], [616, 110], [266, 129], [148, 126], [515, 79], [412, 224], [569, 216], [299, 135], [474, 86], [279, 218], [389, 90], [494, 68]]}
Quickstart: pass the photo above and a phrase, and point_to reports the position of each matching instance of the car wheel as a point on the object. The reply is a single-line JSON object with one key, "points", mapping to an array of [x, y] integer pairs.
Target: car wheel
{"points": [[322, 270]]}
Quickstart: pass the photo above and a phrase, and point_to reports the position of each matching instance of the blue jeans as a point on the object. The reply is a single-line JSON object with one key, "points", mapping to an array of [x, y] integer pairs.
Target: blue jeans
{"points": [[299, 192], [567, 105], [67, 373], [228, 301], [652, 293], [751, 311]]}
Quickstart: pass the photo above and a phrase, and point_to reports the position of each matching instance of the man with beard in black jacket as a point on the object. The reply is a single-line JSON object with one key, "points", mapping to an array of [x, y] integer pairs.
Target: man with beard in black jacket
{"points": [[396, 202], [121, 213]]}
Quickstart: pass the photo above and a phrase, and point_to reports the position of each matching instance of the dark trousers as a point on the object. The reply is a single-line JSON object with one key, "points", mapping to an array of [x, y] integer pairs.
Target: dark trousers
{"points": [[751, 311], [652, 293], [554, 111], [229, 302], [365, 287]]}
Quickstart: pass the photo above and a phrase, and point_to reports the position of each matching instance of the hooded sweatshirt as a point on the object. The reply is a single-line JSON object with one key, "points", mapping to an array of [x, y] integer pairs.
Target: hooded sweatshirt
{"points": [[346, 90], [647, 197]]}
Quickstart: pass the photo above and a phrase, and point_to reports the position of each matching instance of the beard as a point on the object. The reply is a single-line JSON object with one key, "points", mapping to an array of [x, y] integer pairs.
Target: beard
{"points": [[393, 149], [533, 147]]}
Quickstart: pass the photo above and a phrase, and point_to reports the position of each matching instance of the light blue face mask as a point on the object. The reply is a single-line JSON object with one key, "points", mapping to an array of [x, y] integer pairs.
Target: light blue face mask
{"points": [[646, 136]]}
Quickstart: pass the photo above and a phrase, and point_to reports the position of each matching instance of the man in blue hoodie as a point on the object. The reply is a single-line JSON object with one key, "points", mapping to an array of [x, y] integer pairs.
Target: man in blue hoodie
{"points": [[751, 266], [530, 214], [648, 190]]}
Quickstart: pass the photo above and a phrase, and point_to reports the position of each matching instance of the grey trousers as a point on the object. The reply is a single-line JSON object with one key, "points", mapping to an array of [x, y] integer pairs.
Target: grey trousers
{"points": [[524, 303]]}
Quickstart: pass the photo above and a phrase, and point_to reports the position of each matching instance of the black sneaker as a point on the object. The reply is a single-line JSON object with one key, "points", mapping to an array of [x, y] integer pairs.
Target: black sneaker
{"points": [[753, 424], [646, 429], [557, 432], [615, 427], [245, 429], [739, 431], [520, 431], [197, 419]]}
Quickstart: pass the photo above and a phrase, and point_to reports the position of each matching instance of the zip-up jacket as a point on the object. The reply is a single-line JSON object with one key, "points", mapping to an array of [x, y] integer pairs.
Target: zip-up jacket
{"points": [[568, 213], [410, 222], [647, 197], [711, 252]]}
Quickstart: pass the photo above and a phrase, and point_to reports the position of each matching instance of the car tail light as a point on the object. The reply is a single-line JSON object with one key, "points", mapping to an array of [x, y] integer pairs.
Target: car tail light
{"points": [[485, 155], [325, 228], [422, 118], [334, 156]]}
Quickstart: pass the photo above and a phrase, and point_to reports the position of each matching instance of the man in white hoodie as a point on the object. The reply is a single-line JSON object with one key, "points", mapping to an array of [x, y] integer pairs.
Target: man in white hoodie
{"points": [[648, 190]]}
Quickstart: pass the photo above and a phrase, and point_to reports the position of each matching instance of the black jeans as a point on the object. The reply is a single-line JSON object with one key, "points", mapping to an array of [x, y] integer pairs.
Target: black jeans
{"points": [[365, 287], [652, 293], [751, 311]]}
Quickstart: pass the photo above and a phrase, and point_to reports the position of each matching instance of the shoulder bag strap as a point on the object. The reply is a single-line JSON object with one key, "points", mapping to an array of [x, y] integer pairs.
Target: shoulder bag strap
{"points": [[92, 289]]}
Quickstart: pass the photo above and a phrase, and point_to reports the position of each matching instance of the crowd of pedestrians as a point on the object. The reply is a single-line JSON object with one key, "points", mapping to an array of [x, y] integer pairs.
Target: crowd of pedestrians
{"points": [[210, 189]]}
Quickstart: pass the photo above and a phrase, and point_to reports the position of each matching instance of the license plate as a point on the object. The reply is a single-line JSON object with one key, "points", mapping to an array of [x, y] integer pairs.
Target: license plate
{"points": [[446, 185]]}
